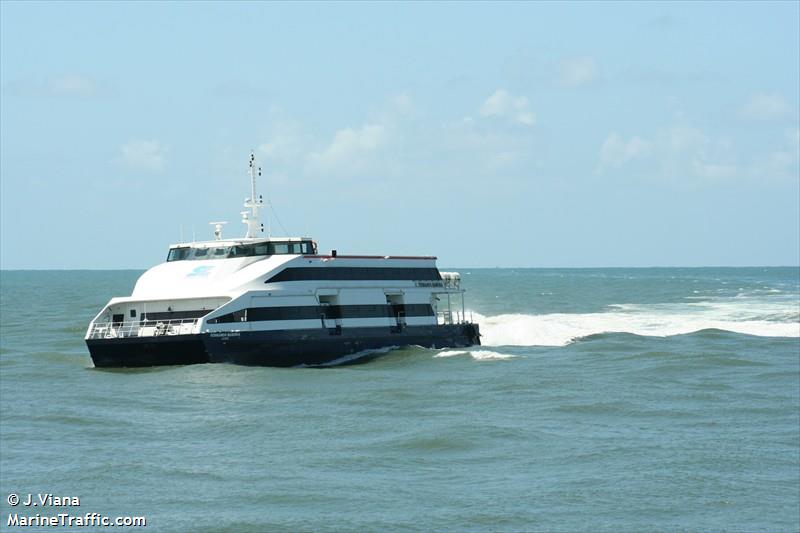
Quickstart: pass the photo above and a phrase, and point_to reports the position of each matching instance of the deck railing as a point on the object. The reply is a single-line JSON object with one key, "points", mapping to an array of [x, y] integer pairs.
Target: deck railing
{"points": [[145, 328], [444, 317], [452, 317]]}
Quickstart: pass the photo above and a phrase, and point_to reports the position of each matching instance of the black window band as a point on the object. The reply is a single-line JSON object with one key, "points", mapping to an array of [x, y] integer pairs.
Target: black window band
{"points": [[310, 312], [354, 274], [174, 315]]}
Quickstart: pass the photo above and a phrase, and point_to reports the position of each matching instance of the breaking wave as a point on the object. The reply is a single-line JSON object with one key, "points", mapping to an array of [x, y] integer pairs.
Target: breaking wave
{"points": [[478, 355], [766, 319]]}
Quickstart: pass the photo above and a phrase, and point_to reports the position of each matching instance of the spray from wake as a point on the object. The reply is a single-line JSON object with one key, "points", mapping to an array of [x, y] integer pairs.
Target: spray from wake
{"points": [[478, 355], [660, 320]]}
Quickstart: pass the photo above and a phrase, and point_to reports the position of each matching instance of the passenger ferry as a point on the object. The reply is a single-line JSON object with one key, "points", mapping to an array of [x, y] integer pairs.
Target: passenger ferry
{"points": [[260, 300]]}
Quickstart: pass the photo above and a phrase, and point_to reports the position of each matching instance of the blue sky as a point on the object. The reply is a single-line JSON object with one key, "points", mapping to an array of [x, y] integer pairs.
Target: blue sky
{"points": [[489, 134]]}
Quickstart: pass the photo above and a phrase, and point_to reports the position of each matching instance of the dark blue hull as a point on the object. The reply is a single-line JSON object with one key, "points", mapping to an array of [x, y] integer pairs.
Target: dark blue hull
{"points": [[273, 348], [148, 351]]}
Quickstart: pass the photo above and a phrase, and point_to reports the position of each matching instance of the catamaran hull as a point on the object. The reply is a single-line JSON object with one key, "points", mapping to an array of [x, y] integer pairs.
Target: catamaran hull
{"points": [[273, 348], [148, 351]]}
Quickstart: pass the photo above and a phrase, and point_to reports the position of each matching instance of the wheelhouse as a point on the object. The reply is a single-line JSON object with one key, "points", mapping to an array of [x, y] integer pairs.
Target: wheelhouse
{"points": [[220, 250]]}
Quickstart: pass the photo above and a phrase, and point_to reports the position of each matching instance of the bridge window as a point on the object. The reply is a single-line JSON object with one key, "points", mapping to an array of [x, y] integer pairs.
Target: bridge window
{"points": [[178, 254], [241, 250]]}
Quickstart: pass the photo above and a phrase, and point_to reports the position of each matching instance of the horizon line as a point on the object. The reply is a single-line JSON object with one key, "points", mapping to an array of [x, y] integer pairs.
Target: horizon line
{"points": [[445, 267]]}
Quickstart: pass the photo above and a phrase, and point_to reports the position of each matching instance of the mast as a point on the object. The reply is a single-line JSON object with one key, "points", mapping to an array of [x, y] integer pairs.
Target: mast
{"points": [[254, 203]]}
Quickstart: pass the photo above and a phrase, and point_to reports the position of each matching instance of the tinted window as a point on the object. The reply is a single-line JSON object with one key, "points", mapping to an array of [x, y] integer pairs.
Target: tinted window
{"points": [[178, 254], [241, 250]]}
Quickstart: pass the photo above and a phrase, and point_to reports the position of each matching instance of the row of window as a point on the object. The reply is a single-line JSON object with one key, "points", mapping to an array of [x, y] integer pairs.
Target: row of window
{"points": [[311, 312], [355, 274], [240, 250], [154, 317]]}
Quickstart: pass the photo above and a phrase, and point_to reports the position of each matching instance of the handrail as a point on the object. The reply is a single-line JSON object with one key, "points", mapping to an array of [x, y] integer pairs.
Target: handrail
{"points": [[144, 328], [451, 317]]}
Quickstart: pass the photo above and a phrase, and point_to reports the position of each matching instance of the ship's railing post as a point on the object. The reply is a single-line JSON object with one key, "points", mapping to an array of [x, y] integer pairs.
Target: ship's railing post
{"points": [[449, 310]]}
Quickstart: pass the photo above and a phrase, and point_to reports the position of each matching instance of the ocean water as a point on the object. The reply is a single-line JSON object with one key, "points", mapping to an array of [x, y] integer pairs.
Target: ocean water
{"points": [[601, 400]]}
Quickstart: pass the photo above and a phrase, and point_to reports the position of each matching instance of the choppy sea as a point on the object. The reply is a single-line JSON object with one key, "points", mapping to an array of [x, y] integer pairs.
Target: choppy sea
{"points": [[663, 399]]}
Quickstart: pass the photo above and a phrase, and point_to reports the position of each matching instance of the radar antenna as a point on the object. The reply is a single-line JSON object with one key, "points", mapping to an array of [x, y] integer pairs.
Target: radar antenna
{"points": [[218, 229]]}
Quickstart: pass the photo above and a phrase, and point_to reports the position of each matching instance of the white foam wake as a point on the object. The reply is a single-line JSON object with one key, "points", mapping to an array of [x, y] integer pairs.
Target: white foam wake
{"points": [[662, 320], [478, 355]]}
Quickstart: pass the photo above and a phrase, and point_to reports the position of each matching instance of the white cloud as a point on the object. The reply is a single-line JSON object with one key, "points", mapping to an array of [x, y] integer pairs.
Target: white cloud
{"points": [[662, 22], [384, 137], [350, 147], [144, 155], [286, 143], [73, 85], [398, 139], [687, 152], [765, 107], [480, 145], [504, 105], [616, 151], [277, 147], [577, 70], [781, 163], [241, 89], [713, 171], [682, 139], [402, 104], [679, 153]]}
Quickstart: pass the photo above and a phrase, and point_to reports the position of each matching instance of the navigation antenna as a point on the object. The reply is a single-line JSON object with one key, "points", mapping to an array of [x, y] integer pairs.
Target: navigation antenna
{"points": [[218, 229], [254, 227]]}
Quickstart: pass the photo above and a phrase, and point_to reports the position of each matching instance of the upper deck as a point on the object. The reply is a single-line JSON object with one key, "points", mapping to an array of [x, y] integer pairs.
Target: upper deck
{"points": [[229, 267]]}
